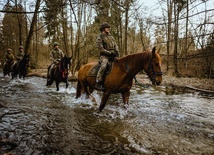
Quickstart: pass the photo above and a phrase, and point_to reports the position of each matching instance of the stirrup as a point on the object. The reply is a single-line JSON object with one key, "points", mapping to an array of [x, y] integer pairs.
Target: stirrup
{"points": [[99, 86]]}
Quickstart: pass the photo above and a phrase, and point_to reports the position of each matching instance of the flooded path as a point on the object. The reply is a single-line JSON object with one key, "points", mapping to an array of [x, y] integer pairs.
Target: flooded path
{"points": [[159, 120]]}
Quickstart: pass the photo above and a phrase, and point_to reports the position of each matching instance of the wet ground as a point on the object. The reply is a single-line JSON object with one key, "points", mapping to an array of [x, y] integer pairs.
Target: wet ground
{"points": [[159, 120]]}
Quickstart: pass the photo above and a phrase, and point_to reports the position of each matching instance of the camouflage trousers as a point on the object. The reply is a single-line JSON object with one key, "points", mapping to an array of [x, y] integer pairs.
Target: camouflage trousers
{"points": [[103, 64]]}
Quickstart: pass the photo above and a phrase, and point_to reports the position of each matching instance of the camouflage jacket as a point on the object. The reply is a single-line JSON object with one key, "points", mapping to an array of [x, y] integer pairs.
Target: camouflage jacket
{"points": [[107, 45], [9, 57], [20, 55], [56, 54]]}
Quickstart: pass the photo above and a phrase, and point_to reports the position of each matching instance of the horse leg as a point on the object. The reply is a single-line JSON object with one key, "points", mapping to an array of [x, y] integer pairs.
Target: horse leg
{"points": [[20, 76], [91, 90], [125, 96], [67, 83], [85, 89], [57, 85], [79, 89], [104, 100]]}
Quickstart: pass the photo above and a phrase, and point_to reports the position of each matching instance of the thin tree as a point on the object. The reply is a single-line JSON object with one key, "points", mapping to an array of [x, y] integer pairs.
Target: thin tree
{"points": [[32, 26], [169, 27]]}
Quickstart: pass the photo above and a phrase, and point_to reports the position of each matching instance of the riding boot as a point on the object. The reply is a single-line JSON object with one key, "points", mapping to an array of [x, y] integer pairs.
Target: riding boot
{"points": [[99, 86]]}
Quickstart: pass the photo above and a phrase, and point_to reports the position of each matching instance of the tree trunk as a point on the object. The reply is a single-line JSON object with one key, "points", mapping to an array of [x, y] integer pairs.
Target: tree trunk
{"points": [[65, 31], [169, 6], [126, 27], [186, 38], [33, 23], [19, 25], [176, 15]]}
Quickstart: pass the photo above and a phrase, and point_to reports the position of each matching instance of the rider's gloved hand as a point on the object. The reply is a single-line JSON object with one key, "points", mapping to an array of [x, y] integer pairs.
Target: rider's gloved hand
{"points": [[113, 54]]}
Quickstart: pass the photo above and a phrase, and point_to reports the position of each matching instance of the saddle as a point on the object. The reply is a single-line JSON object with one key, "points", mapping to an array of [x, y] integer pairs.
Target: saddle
{"points": [[95, 69]]}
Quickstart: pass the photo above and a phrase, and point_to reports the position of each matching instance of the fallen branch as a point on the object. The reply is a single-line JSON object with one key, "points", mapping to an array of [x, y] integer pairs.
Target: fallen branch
{"points": [[198, 89]]}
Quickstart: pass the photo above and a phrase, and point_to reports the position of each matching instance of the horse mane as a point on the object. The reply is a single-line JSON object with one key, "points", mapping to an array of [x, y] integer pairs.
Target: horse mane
{"points": [[135, 58], [63, 60]]}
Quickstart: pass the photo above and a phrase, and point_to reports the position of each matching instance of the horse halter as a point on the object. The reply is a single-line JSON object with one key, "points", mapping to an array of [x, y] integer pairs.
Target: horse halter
{"points": [[153, 75]]}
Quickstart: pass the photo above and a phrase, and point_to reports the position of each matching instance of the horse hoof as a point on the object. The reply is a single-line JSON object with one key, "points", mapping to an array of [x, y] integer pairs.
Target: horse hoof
{"points": [[99, 111]]}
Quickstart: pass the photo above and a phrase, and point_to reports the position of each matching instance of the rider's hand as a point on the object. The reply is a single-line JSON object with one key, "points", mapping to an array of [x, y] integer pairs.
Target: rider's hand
{"points": [[115, 58], [113, 54]]}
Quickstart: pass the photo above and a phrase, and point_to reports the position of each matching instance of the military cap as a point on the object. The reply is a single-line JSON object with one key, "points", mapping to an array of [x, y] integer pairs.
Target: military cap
{"points": [[56, 44], [104, 25], [21, 47], [9, 50]]}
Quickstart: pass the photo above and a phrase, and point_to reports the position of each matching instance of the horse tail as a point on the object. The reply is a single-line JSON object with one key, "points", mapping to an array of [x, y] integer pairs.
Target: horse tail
{"points": [[79, 89]]}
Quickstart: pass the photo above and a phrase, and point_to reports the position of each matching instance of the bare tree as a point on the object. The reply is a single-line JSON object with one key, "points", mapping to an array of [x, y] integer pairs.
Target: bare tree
{"points": [[169, 27], [32, 26]]}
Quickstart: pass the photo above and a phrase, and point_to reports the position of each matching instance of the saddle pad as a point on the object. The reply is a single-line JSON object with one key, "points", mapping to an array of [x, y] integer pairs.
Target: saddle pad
{"points": [[95, 69]]}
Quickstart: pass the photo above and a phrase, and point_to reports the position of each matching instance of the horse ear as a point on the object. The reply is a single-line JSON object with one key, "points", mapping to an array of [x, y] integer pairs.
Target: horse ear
{"points": [[153, 50]]}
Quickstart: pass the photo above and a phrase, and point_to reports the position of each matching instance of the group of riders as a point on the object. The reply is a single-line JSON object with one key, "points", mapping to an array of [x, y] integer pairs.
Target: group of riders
{"points": [[9, 56], [106, 45]]}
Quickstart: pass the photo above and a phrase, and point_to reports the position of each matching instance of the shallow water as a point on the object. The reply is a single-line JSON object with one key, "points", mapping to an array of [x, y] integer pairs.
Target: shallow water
{"points": [[158, 120]]}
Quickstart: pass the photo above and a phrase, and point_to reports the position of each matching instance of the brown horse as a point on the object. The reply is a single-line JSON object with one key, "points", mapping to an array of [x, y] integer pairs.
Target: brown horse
{"points": [[120, 79], [21, 68]]}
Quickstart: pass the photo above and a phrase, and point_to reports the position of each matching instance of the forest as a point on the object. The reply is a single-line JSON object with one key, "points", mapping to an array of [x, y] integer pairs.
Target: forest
{"points": [[183, 31]]}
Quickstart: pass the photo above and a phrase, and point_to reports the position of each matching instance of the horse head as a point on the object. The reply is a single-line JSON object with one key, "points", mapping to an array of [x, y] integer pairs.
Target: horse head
{"points": [[154, 67], [65, 63]]}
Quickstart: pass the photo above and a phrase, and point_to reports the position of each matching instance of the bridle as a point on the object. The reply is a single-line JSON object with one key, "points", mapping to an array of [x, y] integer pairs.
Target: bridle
{"points": [[153, 75]]}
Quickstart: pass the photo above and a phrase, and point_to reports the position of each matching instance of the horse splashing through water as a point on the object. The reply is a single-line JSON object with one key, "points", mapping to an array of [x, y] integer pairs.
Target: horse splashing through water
{"points": [[60, 72], [120, 79], [21, 68]]}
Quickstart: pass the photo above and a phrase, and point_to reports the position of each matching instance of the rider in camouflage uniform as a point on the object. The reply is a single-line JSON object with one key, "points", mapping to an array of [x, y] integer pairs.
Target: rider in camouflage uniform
{"points": [[108, 48], [56, 55], [9, 57], [20, 53]]}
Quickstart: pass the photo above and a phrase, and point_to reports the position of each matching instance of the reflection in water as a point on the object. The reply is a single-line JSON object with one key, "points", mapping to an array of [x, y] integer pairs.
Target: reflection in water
{"points": [[158, 120]]}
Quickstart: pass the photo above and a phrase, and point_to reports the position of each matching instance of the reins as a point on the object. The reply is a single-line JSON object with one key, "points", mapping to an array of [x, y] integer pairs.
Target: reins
{"points": [[140, 84]]}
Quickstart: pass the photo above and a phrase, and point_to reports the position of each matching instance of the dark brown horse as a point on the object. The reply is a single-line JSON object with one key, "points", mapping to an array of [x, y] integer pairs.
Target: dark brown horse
{"points": [[7, 68], [21, 68], [120, 79], [60, 72]]}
